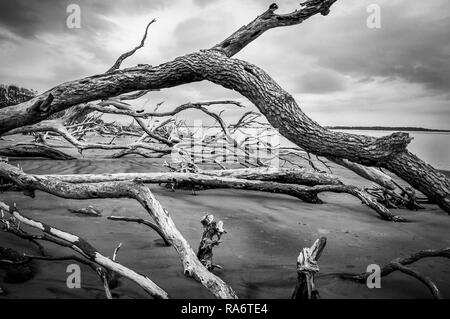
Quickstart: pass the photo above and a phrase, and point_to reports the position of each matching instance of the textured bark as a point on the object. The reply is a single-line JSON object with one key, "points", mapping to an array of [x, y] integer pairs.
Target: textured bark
{"points": [[423, 177], [277, 105]]}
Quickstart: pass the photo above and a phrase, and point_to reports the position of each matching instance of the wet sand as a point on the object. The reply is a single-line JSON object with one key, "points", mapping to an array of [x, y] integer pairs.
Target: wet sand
{"points": [[259, 252]]}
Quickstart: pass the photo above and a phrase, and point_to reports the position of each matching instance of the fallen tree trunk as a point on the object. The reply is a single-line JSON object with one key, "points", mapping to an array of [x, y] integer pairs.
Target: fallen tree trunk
{"points": [[305, 193], [34, 150], [279, 107], [290, 176]]}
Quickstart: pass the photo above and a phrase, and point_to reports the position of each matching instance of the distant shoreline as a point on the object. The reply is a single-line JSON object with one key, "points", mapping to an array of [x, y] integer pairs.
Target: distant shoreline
{"points": [[386, 128]]}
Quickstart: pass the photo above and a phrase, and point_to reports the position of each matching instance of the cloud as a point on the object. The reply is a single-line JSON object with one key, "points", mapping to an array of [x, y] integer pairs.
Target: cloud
{"points": [[28, 18], [410, 45], [321, 82], [204, 3]]}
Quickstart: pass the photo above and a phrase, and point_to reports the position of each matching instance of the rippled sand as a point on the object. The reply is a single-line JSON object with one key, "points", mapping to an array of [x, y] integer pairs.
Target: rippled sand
{"points": [[259, 252]]}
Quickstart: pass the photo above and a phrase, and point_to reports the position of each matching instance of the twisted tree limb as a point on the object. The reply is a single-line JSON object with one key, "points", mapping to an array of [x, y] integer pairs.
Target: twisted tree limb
{"points": [[98, 269]]}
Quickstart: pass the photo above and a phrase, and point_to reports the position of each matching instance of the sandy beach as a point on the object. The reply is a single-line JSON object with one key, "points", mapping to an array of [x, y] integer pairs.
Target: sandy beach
{"points": [[259, 252]]}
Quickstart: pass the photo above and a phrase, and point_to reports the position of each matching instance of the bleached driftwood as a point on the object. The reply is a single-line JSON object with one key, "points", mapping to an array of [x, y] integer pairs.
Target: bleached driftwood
{"points": [[212, 232], [278, 106], [306, 269]]}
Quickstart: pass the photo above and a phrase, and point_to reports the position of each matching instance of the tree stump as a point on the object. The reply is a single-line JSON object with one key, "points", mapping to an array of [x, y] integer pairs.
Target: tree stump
{"points": [[212, 233], [306, 269]]}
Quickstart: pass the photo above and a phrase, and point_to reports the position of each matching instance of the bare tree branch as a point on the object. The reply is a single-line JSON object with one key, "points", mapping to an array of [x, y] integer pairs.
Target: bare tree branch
{"points": [[125, 55]]}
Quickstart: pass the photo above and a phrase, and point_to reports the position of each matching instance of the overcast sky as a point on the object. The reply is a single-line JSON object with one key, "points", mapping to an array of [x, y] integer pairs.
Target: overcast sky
{"points": [[340, 71]]}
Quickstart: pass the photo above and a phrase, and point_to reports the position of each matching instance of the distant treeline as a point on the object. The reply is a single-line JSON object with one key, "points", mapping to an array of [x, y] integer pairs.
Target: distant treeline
{"points": [[386, 128], [12, 95]]}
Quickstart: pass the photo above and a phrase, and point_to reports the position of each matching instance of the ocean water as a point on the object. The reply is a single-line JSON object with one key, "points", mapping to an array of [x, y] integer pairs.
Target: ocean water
{"points": [[432, 147]]}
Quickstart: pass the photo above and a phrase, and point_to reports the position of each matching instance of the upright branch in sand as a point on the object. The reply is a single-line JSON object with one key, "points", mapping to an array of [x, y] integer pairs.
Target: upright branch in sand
{"points": [[306, 269]]}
